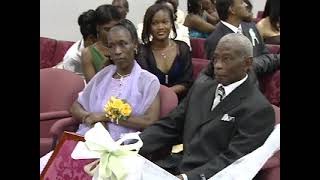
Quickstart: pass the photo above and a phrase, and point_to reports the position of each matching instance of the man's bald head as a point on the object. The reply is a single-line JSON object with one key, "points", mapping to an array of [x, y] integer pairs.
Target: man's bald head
{"points": [[232, 58], [240, 43]]}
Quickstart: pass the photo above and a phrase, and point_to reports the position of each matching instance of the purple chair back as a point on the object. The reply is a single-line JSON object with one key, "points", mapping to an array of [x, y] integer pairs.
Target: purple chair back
{"points": [[168, 100], [58, 89], [270, 86], [198, 50], [47, 50], [52, 51], [198, 64], [273, 48]]}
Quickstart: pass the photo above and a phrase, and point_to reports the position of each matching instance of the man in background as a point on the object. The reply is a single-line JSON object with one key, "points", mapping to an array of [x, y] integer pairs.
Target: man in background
{"points": [[122, 6], [232, 15]]}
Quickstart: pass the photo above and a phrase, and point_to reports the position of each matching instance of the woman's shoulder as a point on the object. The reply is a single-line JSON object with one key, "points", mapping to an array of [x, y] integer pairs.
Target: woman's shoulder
{"points": [[263, 23], [183, 46], [181, 43], [147, 76]]}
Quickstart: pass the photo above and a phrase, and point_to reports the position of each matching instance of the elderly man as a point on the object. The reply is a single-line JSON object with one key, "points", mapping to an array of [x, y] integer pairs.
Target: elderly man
{"points": [[122, 6], [221, 119], [232, 14]]}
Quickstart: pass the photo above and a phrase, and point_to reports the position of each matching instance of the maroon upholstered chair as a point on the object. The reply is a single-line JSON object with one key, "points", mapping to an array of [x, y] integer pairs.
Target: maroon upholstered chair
{"points": [[61, 165], [52, 51], [198, 64], [273, 48], [270, 87], [271, 169], [47, 50], [198, 50], [58, 90], [168, 101], [61, 49]]}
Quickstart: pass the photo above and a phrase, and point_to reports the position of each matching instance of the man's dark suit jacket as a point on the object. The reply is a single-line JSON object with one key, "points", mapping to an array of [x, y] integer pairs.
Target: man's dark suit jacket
{"points": [[263, 61], [210, 144]]}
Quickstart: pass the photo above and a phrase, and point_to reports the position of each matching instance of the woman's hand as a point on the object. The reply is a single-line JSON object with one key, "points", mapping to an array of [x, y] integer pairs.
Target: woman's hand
{"points": [[93, 118]]}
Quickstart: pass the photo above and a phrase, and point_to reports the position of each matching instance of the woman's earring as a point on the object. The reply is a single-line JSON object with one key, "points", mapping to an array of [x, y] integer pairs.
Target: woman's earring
{"points": [[135, 51]]}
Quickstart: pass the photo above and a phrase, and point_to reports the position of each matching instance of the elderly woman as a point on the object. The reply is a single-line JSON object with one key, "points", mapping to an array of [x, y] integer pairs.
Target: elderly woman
{"points": [[124, 79], [96, 56], [168, 59]]}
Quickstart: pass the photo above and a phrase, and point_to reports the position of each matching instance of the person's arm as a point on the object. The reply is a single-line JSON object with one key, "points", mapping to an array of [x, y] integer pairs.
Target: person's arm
{"points": [[165, 132], [265, 64], [79, 113], [212, 19], [150, 116], [252, 131], [178, 88], [87, 65], [196, 22]]}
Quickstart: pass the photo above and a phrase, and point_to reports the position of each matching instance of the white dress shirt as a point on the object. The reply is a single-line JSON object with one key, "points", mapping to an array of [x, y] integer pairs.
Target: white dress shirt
{"points": [[228, 89], [72, 58], [232, 27]]}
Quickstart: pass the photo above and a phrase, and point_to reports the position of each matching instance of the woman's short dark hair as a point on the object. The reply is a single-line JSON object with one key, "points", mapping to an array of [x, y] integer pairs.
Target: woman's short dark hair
{"points": [[194, 6], [87, 23], [222, 7], [151, 11], [106, 13], [127, 24], [272, 9]]}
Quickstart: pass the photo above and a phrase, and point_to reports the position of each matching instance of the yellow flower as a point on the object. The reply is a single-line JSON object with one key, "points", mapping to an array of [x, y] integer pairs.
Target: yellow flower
{"points": [[126, 109], [116, 104]]}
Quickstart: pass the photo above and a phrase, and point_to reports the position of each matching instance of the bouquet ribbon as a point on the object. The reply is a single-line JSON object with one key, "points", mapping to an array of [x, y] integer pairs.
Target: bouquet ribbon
{"points": [[99, 144]]}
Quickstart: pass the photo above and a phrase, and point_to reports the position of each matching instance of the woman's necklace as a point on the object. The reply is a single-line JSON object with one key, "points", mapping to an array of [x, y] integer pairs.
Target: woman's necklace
{"points": [[123, 76], [163, 51]]}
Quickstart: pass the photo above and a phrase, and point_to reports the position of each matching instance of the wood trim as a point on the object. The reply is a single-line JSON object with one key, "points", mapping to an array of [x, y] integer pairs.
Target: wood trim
{"points": [[66, 136]]}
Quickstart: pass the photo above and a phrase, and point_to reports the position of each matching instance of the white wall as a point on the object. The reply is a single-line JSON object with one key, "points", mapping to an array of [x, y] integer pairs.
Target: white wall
{"points": [[258, 5], [58, 18]]}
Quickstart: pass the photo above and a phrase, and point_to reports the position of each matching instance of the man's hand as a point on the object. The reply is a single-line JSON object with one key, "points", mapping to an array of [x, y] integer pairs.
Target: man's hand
{"points": [[180, 177]]}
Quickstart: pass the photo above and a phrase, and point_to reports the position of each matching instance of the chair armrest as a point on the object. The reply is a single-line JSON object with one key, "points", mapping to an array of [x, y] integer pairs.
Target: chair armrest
{"points": [[54, 115], [65, 124]]}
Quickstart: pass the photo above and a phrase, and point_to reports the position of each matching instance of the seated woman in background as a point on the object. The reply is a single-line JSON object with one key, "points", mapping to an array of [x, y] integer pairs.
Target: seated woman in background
{"points": [[199, 22], [182, 31], [72, 58], [96, 56], [125, 80], [168, 59], [269, 25]]}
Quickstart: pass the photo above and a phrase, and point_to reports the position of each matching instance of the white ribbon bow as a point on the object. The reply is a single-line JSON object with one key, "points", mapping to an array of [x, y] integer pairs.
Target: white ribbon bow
{"points": [[99, 144]]}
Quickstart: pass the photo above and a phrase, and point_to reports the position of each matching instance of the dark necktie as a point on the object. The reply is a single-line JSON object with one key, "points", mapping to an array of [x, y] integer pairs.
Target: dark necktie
{"points": [[220, 94]]}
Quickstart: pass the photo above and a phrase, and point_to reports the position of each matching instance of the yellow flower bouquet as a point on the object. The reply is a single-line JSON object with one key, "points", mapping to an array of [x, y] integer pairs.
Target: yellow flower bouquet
{"points": [[117, 109]]}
